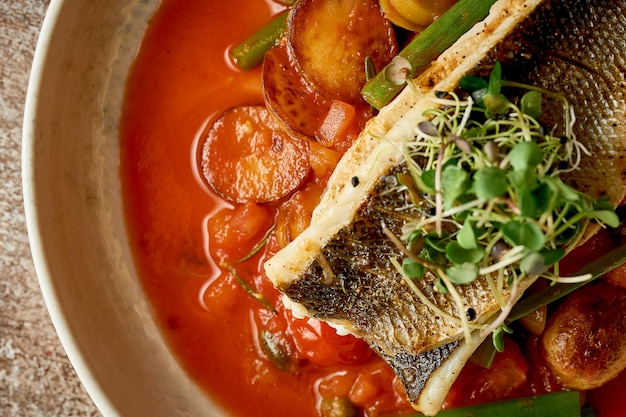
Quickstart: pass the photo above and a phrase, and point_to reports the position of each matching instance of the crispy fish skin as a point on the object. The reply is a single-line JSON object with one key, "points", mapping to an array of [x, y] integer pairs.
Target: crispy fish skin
{"points": [[353, 281], [579, 48], [338, 270]]}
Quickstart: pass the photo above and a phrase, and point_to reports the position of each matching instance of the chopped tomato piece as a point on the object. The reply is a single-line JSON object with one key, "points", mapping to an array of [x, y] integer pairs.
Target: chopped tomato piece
{"points": [[320, 343], [236, 230], [295, 215], [336, 385], [337, 122], [378, 390], [323, 160], [367, 387], [370, 385], [505, 379]]}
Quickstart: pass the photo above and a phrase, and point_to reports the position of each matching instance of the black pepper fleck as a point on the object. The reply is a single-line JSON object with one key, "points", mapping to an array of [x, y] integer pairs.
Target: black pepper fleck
{"points": [[354, 181]]}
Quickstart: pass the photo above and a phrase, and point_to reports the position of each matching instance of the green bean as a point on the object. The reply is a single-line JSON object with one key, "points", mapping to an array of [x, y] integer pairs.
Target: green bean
{"points": [[597, 268], [556, 404], [249, 53]]}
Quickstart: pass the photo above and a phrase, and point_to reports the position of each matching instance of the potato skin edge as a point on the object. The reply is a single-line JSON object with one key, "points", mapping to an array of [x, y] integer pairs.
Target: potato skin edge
{"points": [[584, 343]]}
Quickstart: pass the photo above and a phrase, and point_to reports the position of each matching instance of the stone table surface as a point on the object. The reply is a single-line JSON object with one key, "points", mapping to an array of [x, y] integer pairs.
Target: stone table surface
{"points": [[36, 378]]}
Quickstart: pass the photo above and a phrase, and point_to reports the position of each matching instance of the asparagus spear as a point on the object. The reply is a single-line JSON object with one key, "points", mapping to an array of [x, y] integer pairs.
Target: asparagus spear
{"points": [[427, 46]]}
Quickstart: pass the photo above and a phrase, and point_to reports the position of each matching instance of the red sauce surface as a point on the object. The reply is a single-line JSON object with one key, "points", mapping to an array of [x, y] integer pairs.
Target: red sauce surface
{"points": [[181, 82]]}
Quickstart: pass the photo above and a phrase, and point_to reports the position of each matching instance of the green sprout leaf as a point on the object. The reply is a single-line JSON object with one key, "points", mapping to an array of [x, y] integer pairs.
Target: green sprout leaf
{"points": [[492, 99], [531, 104], [454, 183], [471, 83], [496, 104], [476, 86], [533, 264], [436, 242], [459, 255], [603, 203], [479, 96], [463, 273], [498, 337], [552, 256], [525, 155], [528, 234], [545, 199], [566, 193], [523, 180], [495, 79], [428, 178], [412, 268], [605, 216], [489, 182], [498, 340], [604, 212], [467, 236], [527, 203], [532, 204]]}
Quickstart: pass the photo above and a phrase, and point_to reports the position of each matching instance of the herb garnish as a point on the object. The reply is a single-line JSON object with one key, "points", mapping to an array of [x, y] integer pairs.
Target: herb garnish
{"points": [[245, 285], [491, 171]]}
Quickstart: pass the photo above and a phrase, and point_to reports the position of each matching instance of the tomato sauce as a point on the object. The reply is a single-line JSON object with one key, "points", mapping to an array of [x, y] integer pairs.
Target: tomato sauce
{"points": [[181, 82], [187, 240]]}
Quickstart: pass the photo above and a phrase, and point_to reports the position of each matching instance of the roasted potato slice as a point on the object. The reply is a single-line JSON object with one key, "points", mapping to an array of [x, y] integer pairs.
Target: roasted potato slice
{"points": [[330, 40], [584, 343], [298, 108], [414, 15]]}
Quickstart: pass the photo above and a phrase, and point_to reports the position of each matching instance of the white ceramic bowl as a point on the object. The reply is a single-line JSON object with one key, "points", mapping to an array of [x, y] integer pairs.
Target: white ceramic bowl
{"points": [[74, 212]]}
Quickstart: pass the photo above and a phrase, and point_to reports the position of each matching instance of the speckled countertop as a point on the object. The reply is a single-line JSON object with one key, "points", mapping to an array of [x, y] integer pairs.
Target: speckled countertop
{"points": [[36, 378]]}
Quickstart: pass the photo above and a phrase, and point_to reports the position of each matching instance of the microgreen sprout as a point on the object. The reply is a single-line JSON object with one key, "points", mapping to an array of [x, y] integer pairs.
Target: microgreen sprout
{"points": [[490, 169], [399, 70]]}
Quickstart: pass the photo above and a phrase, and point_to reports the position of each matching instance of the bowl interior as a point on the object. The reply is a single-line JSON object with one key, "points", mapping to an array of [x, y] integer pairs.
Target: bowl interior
{"points": [[75, 216]]}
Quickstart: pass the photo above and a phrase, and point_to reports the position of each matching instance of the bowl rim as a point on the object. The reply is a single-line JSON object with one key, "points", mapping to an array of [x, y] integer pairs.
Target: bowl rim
{"points": [[33, 225]]}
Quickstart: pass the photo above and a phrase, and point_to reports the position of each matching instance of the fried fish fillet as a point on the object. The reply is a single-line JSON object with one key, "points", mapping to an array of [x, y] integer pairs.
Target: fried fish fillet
{"points": [[339, 269]]}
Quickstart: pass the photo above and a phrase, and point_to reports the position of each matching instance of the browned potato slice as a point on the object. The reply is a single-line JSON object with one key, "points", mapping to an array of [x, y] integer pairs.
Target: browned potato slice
{"points": [[584, 343], [330, 40], [414, 14], [298, 108], [391, 13]]}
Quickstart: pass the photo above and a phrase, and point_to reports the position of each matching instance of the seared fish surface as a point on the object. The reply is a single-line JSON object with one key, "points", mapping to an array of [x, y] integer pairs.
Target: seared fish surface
{"points": [[339, 269]]}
